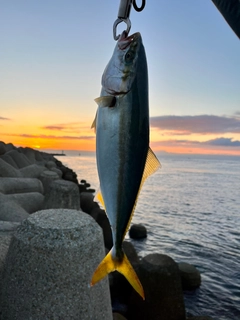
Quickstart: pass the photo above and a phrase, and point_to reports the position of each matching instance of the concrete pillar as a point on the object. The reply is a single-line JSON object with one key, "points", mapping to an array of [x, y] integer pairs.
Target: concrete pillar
{"points": [[49, 266], [47, 177], [62, 194]]}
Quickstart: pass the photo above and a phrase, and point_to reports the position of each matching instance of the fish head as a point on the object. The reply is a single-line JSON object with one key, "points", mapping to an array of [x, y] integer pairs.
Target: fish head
{"points": [[121, 70]]}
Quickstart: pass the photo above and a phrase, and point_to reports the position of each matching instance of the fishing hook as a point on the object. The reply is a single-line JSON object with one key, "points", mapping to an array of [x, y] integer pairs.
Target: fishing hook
{"points": [[116, 23], [124, 13]]}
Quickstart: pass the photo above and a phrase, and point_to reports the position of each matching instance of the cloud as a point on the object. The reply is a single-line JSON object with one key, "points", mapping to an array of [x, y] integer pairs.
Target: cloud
{"points": [[67, 127], [59, 127], [218, 142], [203, 124], [2, 118], [226, 142], [176, 142], [43, 136]]}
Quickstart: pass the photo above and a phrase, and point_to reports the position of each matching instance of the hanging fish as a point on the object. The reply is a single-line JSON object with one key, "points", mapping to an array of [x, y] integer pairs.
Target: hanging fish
{"points": [[124, 159]]}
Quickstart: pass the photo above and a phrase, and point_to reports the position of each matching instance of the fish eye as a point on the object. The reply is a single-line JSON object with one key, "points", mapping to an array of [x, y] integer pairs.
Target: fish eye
{"points": [[129, 56]]}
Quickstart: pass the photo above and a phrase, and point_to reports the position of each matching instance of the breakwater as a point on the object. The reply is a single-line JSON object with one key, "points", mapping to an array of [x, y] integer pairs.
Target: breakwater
{"points": [[35, 189]]}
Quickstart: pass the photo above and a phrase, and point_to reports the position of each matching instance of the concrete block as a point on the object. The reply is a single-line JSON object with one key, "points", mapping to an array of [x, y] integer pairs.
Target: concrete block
{"points": [[62, 194], [137, 231], [47, 156], [50, 164], [19, 158], [6, 170], [32, 171], [31, 201], [8, 226], [2, 148], [20, 185], [9, 160], [38, 156], [11, 211], [30, 154], [20, 149], [5, 240], [48, 268], [4, 245], [9, 146], [47, 177], [87, 202], [58, 171], [190, 275], [102, 220], [161, 281]]}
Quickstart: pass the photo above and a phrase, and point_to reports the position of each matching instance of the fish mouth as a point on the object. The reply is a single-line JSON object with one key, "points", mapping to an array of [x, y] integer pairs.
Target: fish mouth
{"points": [[124, 41]]}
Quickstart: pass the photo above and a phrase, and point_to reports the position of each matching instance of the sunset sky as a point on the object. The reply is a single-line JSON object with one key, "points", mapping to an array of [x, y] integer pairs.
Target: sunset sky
{"points": [[53, 54]]}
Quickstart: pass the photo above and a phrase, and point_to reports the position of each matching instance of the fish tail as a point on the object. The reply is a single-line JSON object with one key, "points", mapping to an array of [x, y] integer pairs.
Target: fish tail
{"points": [[126, 269], [109, 264]]}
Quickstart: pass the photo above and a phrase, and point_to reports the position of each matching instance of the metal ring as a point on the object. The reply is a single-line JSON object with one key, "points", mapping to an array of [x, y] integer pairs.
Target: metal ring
{"points": [[116, 23], [138, 9]]}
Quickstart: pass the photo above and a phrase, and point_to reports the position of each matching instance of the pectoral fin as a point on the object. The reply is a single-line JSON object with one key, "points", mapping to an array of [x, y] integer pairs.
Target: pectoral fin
{"points": [[103, 101], [106, 101]]}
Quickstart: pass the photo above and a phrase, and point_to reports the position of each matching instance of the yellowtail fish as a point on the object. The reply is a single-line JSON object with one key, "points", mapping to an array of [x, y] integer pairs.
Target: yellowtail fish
{"points": [[124, 159]]}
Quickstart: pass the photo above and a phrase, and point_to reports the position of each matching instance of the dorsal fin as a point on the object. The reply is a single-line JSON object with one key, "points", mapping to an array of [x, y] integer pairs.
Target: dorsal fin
{"points": [[152, 165]]}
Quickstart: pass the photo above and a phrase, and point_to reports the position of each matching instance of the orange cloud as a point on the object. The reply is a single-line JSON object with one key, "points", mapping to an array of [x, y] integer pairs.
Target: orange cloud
{"points": [[51, 137], [67, 127], [3, 118], [53, 142]]}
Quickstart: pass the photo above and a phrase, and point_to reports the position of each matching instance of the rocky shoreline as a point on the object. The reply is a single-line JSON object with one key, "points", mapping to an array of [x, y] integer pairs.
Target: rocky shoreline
{"points": [[32, 181]]}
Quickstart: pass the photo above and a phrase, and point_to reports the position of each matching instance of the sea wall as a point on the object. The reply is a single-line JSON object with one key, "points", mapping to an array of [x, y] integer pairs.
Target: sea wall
{"points": [[35, 185]]}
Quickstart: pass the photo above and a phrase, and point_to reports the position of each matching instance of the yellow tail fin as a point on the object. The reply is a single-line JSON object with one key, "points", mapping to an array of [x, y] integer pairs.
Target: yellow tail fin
{"points": [[108, 265]]}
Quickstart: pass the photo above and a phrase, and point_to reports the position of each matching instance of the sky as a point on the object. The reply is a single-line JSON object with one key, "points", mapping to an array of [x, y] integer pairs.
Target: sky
{"points": [[53, 53]]}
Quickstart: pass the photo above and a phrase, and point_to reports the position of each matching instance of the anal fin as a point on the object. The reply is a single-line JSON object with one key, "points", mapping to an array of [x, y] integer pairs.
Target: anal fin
{"points": [[99, 198], [94, 124]]}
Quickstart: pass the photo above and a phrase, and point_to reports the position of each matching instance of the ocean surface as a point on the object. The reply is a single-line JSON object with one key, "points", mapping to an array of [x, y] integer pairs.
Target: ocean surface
{"points": [[191, 209]]}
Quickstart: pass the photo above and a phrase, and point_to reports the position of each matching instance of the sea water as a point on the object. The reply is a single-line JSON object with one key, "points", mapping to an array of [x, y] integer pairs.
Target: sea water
{"points": [[191, 209]]}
